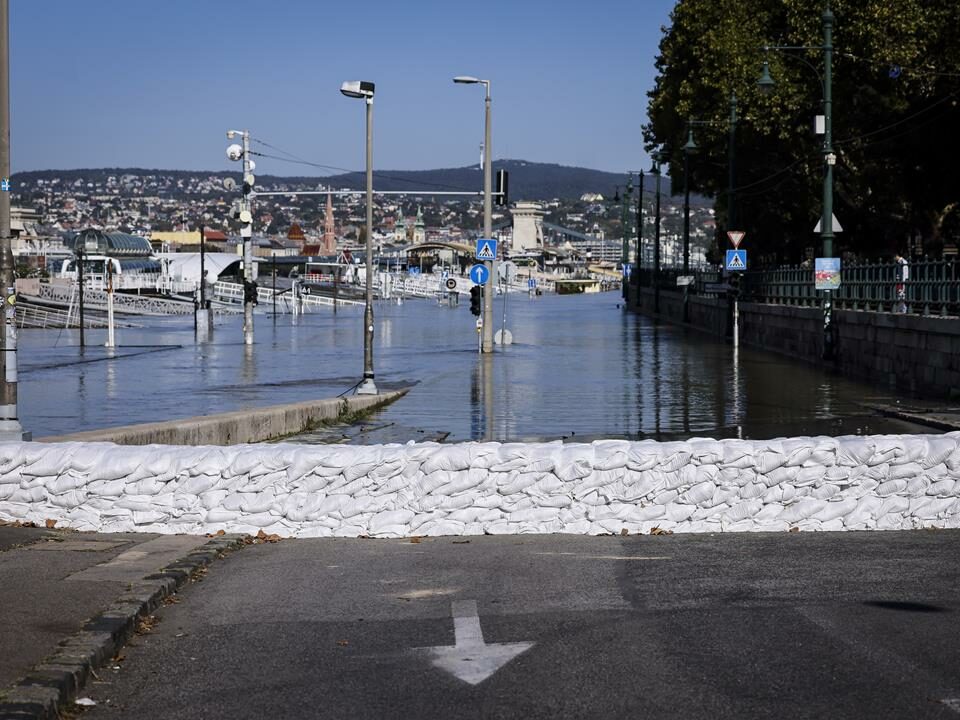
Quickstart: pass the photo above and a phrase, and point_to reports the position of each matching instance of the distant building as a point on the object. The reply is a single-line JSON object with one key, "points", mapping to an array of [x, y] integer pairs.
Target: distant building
{"points": [[527, 227], [329, 242], [419, 229], [400, 229]]}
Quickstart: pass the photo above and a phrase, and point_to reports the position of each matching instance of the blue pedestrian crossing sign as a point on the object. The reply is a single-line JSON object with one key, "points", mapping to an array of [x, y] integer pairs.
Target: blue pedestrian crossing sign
{"points": [[532, 283], [479, 274], [486, 249], [736, 260]]}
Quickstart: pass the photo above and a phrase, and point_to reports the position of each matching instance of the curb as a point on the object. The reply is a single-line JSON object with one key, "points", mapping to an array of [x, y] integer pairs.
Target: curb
{"points": [[58, 679]]}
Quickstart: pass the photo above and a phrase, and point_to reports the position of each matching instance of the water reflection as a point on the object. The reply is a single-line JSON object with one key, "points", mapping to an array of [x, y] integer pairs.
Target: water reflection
{"points": [[579, 368]]}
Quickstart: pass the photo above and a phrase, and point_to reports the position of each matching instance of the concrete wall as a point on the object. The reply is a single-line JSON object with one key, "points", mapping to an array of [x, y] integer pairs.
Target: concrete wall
{"points": [[235, 428], [912, 353], [847, 483]]}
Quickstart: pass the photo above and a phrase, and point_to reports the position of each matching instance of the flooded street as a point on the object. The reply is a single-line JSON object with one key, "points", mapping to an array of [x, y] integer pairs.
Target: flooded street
{"points": [[580, 368]]}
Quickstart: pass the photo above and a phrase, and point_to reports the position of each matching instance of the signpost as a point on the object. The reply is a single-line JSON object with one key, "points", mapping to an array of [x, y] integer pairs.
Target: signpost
{"points": [[486, 249], [451, 283], [736, 260], [479, 274], [826, 273]]}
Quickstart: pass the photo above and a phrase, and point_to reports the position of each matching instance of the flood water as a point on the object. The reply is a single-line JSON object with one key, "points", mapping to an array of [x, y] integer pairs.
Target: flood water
{"points": [[580, 368]]}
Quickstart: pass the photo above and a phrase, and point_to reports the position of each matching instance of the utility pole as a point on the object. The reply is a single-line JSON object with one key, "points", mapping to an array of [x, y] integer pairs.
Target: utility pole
{"points": [[80, 276], [639, 257], [826, 225], [686, 198], [488, 225], [10, 428], [656, 241], [731, 157], [246, 233]]}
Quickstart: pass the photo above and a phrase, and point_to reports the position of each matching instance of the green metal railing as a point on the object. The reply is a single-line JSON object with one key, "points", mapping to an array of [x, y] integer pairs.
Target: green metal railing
{"points": [[933, 286]]}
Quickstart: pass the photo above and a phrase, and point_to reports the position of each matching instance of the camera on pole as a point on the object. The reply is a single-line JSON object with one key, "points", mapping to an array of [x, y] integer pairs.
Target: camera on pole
{"points": [[476, 300], [249, 292]]}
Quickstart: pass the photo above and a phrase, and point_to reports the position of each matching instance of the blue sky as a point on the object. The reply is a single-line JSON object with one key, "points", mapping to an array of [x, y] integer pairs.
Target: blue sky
{"points": [[135, 83]]}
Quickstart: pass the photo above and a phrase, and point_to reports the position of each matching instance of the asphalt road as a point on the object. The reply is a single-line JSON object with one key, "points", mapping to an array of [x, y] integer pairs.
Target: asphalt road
{"points": [[795, 625]]}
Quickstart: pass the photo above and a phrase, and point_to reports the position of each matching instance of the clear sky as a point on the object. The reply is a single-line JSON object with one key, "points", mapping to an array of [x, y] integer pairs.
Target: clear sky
{"points": [[144, 83]]}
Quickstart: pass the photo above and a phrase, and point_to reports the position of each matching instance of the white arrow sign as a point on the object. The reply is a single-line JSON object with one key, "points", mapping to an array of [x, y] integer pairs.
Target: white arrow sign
{"points": [[471, 659]]}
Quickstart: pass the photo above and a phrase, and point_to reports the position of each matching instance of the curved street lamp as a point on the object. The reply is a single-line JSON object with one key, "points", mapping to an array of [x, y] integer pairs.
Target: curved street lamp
{"points": [[364, 90], [487, 335]]}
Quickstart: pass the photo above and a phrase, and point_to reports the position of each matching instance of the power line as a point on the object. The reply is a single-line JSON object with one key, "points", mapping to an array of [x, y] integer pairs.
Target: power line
{"points": [[300, 161]]}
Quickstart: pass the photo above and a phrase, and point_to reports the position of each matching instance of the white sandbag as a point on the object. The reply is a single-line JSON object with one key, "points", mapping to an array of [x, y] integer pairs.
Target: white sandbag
{"points": [[678, 512], [836, 509], [891, 487], [743, 510], [382, 520], [907, 471], [943, 488], [699, 493]]}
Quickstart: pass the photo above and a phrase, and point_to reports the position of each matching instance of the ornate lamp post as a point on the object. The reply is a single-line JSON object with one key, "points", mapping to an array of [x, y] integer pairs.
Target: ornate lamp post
{"points": [[766, 84]]}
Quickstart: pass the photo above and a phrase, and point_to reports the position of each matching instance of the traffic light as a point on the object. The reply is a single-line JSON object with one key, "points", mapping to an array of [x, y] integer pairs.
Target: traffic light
{"points": [[503, 186], [476, 299], [249, 292]]}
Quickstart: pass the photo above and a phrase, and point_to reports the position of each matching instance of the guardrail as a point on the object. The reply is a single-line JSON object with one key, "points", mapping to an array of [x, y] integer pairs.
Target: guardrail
{"points": [[232, 293]]}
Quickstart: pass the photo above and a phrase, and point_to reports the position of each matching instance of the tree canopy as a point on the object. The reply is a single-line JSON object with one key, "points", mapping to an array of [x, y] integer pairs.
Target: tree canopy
{"points": [[896, 86]]}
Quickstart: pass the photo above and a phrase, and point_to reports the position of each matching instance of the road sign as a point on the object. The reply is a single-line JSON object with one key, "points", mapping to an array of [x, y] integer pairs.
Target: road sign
{"points": [[736, 236], [451, 284], [479, 274], [507, 270], [532, 283], [486, 249], [413, 271], [503, 337], [444, 275], [826, 273], [736, 260], [835, 224]]}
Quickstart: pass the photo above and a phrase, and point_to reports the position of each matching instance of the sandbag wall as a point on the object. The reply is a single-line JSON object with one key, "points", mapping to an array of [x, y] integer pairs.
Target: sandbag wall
{"points": [[822, 483]]}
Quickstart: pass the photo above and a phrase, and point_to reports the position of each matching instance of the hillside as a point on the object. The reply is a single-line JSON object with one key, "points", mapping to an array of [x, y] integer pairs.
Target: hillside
{"points": [[528, 180]]}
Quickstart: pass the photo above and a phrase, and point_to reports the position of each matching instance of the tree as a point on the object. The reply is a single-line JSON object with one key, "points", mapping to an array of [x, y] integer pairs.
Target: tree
{"points": [[896, 84]]}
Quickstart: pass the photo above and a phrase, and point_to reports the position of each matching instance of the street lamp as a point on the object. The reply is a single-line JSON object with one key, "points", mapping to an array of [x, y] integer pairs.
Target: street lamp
{"points": [[242, 152], [766, 85], [688, 148], [487, 344], [655, 279], [364, 90]]}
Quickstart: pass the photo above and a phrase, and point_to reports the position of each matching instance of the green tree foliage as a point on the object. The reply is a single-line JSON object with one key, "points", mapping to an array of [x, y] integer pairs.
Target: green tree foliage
{"points": [[896, 86]]}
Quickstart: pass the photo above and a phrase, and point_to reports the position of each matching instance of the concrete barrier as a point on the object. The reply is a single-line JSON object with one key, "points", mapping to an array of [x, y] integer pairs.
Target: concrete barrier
{"points": [[235, 428], [848, 483]]}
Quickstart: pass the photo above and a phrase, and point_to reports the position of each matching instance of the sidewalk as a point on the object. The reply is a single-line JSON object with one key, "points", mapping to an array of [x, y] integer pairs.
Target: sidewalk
{"points": [[70, 600]]}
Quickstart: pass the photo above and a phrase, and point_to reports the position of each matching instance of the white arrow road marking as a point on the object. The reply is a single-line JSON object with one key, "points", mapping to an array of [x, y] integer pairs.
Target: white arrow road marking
{"points": [[471, 659]]}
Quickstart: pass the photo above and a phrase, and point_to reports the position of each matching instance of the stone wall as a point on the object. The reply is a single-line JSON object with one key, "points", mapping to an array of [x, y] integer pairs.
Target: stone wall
{"points": [[822, 483], [912, 353]]}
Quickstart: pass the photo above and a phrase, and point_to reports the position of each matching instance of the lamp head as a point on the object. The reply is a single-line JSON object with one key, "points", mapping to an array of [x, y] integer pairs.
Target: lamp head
{"points": [[357, 89], [766, 83], [466, 79], [690, 146]]}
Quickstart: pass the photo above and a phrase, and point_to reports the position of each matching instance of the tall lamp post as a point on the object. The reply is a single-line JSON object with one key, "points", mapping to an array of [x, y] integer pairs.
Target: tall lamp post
{"points": [[364, 90], [766, 84], [655, 279], [10, 428], [242, 152], [487, 344]]}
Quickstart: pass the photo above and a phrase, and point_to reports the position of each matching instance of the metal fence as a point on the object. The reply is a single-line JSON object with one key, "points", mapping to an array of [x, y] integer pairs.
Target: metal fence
{"points": [[932, 287]]}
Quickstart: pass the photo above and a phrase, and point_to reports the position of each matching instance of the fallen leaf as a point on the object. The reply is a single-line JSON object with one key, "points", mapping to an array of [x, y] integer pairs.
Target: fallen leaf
{"points": [[52, 524], [658, 531], [415, 539], [623, 532], [221, 531], [794, 529], [261, 535], [461, 542], [343, 643]]}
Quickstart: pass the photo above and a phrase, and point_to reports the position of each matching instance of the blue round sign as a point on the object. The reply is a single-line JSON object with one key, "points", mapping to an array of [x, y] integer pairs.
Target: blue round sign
{"points": [[479, 274]]}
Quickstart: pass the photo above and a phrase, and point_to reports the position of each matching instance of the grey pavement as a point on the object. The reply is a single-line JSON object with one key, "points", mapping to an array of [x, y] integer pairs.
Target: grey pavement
{"points": [[53, 581], [800, 625]]}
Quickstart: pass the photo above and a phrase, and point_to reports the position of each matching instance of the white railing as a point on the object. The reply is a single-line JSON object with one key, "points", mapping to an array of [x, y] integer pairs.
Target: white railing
{"points": [[233, 293]]}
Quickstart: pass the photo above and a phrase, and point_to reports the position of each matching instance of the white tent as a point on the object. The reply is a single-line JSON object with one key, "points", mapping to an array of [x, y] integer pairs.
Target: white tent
{"points": [[185, 267]]}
